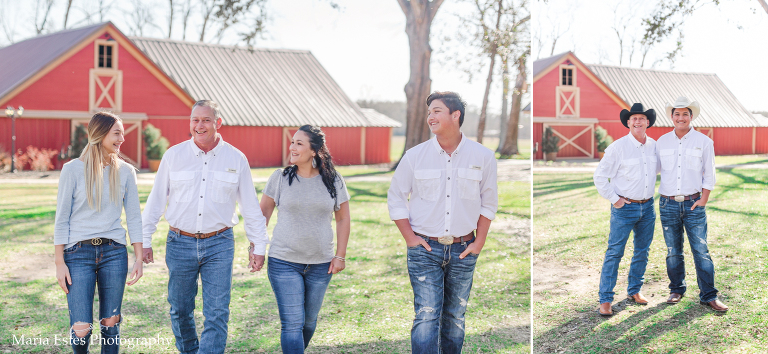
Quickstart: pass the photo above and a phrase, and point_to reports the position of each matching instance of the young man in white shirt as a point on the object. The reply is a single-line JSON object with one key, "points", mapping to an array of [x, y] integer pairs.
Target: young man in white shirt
{"points": [[626, 176], [200, 180], [687, 165], [451, 182]]}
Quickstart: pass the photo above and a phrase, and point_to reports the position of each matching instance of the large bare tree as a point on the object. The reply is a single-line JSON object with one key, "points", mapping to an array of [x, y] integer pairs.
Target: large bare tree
{"points": [[521, 86], [418, 22], [42, 11]]}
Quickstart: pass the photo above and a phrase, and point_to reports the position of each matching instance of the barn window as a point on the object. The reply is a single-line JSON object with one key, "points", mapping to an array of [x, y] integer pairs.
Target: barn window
{"points": [[567, 77], [105, 56]]}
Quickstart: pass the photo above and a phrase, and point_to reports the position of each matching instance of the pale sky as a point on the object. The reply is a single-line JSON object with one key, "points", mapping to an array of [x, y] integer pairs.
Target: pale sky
{"points": [[363, 46], [728, 40]]}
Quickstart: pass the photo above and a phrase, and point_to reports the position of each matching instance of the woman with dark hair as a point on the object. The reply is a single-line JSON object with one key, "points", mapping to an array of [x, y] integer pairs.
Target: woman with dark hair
{"points": [[301, 258], [89, 240]]}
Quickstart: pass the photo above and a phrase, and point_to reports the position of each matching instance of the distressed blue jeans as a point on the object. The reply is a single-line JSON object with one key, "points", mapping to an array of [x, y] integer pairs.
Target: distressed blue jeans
{"points": [[209, 259], [441, 285], [676, 217], [639, 219], [105, 265], [299, 290]]}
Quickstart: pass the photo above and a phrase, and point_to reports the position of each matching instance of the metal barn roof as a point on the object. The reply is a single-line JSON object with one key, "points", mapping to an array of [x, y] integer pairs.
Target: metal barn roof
{"points": [[22, 60], [544, 63], [378, 119], [654, 88], [258, 87]]}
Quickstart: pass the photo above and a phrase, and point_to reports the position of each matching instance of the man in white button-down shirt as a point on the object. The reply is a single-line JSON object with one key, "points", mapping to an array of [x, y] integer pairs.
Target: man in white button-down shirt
{"points": [[626, 176], [451, 181], [200, 180], [687, 165]]}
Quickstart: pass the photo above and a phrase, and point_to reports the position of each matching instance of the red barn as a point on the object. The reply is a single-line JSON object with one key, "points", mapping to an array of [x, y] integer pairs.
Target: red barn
{"points": [[574, 98], [61, 79]]}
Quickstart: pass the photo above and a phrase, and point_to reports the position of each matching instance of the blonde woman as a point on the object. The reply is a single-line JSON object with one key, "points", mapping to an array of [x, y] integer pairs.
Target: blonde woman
{"points": [[89, 238]]}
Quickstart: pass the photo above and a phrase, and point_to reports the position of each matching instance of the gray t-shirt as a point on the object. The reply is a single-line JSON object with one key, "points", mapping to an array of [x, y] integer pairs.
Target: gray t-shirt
{"points": [[303, 233]]}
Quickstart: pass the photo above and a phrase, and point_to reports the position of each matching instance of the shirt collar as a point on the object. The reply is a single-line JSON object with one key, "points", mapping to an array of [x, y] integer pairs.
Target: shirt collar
{"points": [[690, 128], [636, 143], [440, 150], [197, 151]]}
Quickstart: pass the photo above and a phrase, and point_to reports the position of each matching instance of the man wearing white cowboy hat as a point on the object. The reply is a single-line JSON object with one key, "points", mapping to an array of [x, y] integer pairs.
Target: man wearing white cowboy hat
{"points": [[626, 176], [687, 164]]}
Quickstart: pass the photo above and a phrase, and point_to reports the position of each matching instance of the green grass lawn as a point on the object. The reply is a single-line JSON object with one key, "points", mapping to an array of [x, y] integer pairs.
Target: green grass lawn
{"points": [[368, 307], [571, 223]]}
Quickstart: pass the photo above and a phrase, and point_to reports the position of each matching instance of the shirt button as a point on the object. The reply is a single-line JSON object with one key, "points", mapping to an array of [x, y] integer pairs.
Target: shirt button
{"points": [[206, 163], [446, 230], [199, 214], [447, 212], [203, 179], [201, 196], [448, 196], [449, 160], [449, 178]]}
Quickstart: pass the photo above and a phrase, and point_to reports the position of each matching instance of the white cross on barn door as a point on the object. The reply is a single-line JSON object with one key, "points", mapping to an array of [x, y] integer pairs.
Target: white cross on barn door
{"points": [[567, 104], [105, 90], [566, 141]]}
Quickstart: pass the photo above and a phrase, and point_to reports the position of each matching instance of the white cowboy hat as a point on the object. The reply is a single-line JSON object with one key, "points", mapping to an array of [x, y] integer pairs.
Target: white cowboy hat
{"points": [[684, 102]]}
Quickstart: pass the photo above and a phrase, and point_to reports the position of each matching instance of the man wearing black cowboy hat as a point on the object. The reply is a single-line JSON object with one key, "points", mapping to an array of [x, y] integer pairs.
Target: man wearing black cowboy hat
{"points": [[626, 176], [687, 165]]}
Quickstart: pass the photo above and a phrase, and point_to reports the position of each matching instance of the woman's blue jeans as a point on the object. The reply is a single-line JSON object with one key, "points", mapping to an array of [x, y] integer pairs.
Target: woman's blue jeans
{"points": [[89, 265], [676, 217], [637, 218], [299, 290]]}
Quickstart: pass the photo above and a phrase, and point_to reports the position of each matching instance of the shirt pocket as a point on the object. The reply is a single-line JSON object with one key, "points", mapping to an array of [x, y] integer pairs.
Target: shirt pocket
{"points": [[181, 186], [693, 159], [651, 168], [469, 183], [667, 159], [224, 187], [428, 183], [630, 169]]}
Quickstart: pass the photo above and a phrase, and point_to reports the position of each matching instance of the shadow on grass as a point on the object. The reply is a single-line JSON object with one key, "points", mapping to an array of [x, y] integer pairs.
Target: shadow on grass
{"points": [[504, 338], [586, 334], [544, 189]]}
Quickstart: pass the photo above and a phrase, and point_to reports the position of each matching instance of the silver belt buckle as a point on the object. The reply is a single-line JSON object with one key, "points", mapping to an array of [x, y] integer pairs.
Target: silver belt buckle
{"points": [[679, 198], [445, 240]]}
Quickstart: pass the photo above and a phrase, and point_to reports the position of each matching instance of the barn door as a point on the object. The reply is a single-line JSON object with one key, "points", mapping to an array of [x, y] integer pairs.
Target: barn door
{"points": [[575, 140]]}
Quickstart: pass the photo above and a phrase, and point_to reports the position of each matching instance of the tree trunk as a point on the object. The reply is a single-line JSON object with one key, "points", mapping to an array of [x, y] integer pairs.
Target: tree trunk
{"points": [[503, 120], [66, 13], [419, 15], [170, 19], [510, 145], [484, 109]]}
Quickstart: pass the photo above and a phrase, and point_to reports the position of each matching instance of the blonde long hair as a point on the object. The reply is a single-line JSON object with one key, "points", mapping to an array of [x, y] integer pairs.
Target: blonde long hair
{"points": [[100, 125]]}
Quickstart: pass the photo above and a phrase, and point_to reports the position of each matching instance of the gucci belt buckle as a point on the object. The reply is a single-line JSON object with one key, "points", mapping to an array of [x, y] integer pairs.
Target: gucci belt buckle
{"points": [[679, 198], [96, 241], [445, 240]]}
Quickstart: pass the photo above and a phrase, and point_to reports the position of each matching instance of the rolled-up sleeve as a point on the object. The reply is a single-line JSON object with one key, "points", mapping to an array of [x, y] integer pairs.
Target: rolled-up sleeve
{"points": [[708, 181], [489, 190], [399, 190], [156, 202], [255, 222], [63, 206], [607, 169]]}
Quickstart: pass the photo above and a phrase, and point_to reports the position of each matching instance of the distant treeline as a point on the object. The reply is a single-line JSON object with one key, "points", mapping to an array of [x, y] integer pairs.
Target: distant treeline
{"points": [[396, 111]]}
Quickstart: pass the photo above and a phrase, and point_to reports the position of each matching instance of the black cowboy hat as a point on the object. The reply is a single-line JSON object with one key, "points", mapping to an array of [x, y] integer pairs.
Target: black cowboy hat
{"points": [[638, 108]]}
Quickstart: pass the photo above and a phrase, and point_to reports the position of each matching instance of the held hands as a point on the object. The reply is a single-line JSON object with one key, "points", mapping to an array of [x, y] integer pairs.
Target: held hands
{"points": [[138, 270], [474, 248], [337, 265], [148, 256], [255, 261], [62, 276]]}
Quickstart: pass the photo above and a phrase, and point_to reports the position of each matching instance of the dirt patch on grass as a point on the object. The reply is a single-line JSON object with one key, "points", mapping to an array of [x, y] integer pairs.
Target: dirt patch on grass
{"points": [[516, 230]]}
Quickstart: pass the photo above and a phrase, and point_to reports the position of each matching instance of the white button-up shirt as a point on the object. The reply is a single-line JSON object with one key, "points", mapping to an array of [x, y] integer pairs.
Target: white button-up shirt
{"points": [[687, 165], [200, 190], [628, 169], [448, 193]]}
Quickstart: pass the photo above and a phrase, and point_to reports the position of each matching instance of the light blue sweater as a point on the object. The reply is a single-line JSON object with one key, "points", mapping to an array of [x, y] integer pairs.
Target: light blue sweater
{"points": [[76, 221]]}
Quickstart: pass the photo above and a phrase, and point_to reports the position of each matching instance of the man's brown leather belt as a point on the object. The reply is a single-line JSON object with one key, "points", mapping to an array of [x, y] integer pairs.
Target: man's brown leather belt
{"points": [[198, 235], [637, 201], [464, 238], [680, 198]]}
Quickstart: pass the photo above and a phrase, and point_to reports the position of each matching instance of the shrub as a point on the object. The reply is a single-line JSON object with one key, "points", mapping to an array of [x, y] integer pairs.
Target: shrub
{"points": [[5, 160], [156, 144], [40, 160], [550, 141], [602, 138]]}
